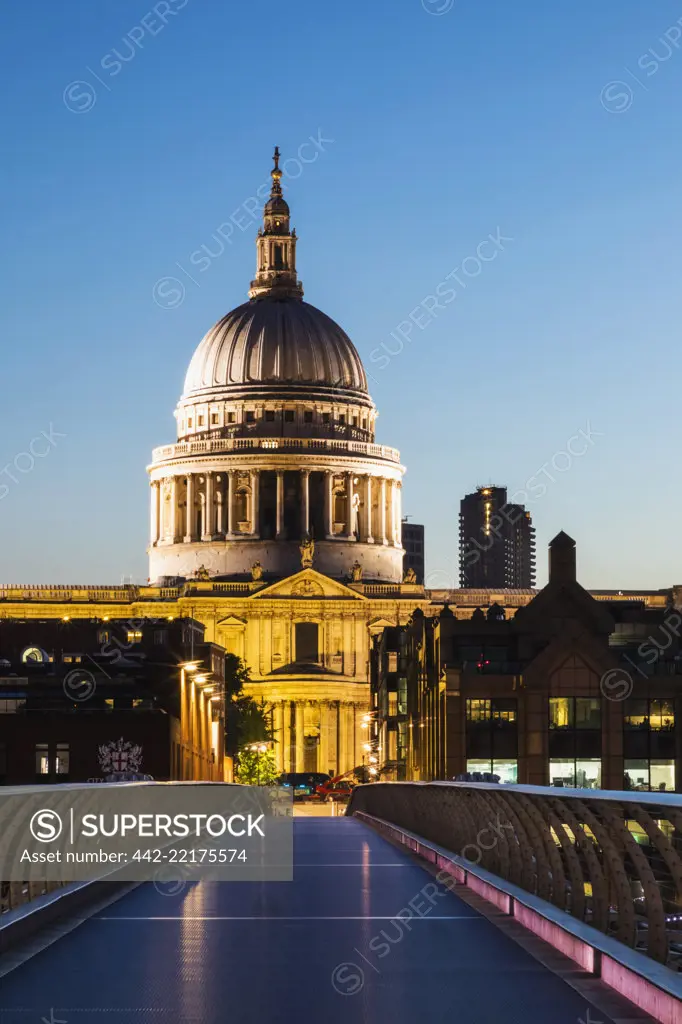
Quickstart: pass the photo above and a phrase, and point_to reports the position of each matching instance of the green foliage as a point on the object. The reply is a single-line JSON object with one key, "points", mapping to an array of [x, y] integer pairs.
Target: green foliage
{"points": [[246, 719], [236, 675], [256, 769]]}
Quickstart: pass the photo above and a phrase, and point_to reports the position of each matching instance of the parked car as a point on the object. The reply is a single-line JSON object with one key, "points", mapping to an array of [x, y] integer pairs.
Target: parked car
{"points": [[304, 784], [340, 790]]}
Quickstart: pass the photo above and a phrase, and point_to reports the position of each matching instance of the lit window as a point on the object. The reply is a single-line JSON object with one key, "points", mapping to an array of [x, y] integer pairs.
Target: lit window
{"points": [[134, 636], [478, 710], [653, 715], [11, 707], [392, 661], [103, 636], [34, 656], [62, 759], [230, 417], [214, 418], [42, 759], [189, 421], [575, 773], [200, 421], [506, 770]]}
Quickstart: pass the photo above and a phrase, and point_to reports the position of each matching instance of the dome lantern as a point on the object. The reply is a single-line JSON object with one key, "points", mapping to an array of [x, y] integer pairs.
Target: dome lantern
{"points": [[276, 246]]}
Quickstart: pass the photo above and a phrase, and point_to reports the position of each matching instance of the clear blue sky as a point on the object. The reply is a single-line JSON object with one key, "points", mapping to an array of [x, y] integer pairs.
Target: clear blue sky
{"points": [[446, 127]]}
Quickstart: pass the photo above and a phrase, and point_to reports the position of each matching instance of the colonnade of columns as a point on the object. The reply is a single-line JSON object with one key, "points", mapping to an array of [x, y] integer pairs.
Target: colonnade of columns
{"points": [[318, 736], [210, 506]]}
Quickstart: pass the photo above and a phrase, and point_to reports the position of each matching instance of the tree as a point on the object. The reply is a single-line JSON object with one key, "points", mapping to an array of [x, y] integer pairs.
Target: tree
{"points": [[256, 768], [245, 718]]}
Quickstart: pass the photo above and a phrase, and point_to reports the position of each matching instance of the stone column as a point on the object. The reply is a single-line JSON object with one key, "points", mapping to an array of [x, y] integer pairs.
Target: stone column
{"points": [[208, 509], [278, 735], [220, 508], [280, 503], [349, 504], [300, 724], [323, 756], [255, 504], [189, 530], [154, 514], [391, 512], [342, 733], [173, 525], [286, 736], [305, 502], [230, 502], [382, 499], [396, 514], [329, 504], [368, 538]]}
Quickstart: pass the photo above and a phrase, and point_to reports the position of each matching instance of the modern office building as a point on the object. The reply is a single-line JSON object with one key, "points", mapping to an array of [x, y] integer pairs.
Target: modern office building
{"points": [[496, 541], [413, 545]]}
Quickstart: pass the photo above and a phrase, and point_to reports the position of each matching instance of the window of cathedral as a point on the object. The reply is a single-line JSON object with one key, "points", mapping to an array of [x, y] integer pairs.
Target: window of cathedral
{"points": [[326, 417], [288, 415], [270, 415], [307, 642], [250, 416], [342, 418], [214, 419], [231, 417], [189, 421], [200, 421], [308, 416]]}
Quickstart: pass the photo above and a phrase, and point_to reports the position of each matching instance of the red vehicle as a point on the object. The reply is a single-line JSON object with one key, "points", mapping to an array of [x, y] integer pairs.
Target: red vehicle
{"points": [[339, 789]]}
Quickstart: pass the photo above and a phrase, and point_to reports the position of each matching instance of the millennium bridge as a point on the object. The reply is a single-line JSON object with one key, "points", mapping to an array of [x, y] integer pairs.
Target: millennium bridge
{"points": [[461, 902]]}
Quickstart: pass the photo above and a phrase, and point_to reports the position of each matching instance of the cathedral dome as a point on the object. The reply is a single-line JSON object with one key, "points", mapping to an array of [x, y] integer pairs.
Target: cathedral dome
{"points": [[275, 340]]}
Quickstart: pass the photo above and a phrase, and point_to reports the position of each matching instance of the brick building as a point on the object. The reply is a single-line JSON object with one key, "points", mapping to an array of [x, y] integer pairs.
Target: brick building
{"points": [[86, 699], [571, 691]]}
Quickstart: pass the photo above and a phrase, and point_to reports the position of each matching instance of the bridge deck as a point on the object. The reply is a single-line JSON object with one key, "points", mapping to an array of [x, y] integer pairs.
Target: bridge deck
{"points": [[325, 949]]}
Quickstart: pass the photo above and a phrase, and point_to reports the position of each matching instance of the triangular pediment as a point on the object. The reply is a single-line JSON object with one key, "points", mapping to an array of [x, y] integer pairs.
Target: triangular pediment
{"points": [[232, 620], [308, 584], [378, 625]]}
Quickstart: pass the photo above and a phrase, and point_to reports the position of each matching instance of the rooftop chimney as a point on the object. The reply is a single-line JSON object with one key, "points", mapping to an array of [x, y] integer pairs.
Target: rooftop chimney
{"points": [[562, 567]]}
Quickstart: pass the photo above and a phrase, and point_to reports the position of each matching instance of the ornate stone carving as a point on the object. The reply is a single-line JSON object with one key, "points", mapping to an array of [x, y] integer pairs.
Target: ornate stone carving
{"points": [[202, 573], [307, 550], [307, 588], [256, 571]]}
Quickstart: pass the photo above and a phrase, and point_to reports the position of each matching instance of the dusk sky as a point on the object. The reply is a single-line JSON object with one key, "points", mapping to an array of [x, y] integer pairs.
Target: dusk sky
{"points": [[132, 135]]}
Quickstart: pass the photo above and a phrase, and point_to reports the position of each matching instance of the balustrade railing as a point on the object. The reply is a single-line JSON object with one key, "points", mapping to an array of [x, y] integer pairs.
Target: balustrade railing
{"points": [[610, 859], [225, 445]]}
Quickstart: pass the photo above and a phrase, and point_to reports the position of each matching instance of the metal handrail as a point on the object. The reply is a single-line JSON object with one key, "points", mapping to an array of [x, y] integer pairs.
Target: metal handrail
{"points": [[611, 859]]}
